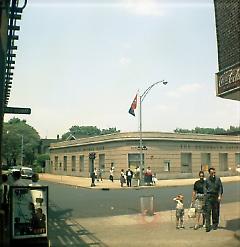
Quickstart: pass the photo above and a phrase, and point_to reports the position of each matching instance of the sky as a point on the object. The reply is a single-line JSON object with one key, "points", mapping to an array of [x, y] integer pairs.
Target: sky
{"points": [[81, 62]]}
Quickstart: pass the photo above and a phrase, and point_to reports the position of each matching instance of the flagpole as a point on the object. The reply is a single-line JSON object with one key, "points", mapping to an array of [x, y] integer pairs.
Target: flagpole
{"points": [[140, 140], [142, 97]]}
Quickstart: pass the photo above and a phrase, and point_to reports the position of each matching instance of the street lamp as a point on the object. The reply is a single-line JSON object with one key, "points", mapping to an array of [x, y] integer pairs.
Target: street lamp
{"points": [[142, 97]]}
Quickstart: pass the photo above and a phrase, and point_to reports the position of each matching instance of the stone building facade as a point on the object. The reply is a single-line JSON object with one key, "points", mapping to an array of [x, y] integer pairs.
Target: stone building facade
{"points": [[169, 155]]}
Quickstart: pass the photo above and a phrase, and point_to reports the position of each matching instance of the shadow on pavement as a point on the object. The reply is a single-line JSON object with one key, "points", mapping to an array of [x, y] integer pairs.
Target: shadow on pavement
{"points": [[65, 231], [233, 225]]}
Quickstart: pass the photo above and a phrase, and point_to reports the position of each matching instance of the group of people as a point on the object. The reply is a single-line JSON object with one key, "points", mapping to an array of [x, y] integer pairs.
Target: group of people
{"points": [[125, 176], [206, 197]]}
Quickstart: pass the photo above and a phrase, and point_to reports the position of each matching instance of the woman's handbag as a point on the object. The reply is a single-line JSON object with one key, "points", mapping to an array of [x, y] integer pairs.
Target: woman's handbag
{"points": [[191, 211]]}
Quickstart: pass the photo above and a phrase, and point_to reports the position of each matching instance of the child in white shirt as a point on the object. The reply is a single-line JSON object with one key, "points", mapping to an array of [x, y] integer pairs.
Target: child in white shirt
{"points": [[179, 211]]}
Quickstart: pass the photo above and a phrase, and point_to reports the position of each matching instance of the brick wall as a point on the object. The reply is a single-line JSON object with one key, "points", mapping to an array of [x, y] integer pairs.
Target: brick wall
{"points": [[227, 16]]}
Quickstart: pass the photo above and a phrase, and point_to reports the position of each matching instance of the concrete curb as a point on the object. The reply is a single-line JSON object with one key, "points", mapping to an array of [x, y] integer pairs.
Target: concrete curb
{"points": [[83, 182]]}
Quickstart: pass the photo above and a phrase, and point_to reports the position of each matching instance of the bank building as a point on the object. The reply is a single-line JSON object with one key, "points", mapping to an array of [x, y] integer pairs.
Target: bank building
{"points": [[170, 155]]}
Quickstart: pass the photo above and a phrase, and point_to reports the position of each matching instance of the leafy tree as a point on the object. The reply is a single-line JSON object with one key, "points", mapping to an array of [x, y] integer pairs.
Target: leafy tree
{"points": [[214, 131], [85, 131], [18, 135], [41, 159]]}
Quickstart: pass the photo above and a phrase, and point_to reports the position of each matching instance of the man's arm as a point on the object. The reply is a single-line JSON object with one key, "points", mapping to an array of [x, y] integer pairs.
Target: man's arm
{"points": [[220, 192]]}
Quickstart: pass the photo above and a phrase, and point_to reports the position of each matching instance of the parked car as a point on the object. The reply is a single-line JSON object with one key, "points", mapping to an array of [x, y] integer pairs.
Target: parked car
{"points": [[13, 169], [26, 172]]}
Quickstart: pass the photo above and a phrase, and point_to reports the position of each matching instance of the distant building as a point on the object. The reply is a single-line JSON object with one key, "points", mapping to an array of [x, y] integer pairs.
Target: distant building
{"points": [[227, 16], [170, 155], [44, 145]]}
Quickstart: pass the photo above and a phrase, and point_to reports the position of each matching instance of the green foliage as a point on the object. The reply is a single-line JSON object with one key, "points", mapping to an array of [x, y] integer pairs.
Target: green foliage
{"points": [[213, 131], [18, 135], [41, 159], [85, 131]]}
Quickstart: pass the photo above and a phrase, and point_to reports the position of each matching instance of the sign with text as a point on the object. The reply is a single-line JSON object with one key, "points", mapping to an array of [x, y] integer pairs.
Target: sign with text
{"points": [[28, 212], [17, 110], [228, 81]]}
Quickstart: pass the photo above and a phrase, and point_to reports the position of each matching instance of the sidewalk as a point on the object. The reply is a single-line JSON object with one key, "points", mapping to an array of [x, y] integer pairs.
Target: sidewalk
{"points": [[159, 230]]}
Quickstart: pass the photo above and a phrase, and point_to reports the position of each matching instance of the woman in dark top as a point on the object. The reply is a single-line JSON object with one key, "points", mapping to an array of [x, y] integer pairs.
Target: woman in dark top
{"points": [[198, 199]]}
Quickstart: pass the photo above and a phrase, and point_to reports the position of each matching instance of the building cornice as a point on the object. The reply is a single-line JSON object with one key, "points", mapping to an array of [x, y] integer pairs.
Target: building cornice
{"points": [[147, 136]]}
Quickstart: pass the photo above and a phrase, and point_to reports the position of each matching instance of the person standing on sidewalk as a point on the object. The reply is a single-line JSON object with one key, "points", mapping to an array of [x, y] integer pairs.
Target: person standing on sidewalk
{"points": [[129, 175], [122, 178], [93, 177], [100, 172], [179, 211], [213, 190], [137, 175], [111, 174], [198, 199]]}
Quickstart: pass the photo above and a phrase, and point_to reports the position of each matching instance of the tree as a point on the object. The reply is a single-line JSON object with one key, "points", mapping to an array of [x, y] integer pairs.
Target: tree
{"points": [[41, 159], [85, 131], [212, 131], [18, 136]]}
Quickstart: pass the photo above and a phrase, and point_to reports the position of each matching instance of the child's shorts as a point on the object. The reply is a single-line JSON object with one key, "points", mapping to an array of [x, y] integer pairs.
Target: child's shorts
{"points": [[179, 213]]}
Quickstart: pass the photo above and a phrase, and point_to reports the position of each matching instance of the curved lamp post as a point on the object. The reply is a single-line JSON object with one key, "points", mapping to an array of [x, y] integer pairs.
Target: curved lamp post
{"points": [[142, 97]]}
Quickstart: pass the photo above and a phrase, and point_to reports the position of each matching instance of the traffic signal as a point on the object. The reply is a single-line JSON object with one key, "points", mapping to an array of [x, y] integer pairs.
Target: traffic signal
{"points": [[92, 156]]}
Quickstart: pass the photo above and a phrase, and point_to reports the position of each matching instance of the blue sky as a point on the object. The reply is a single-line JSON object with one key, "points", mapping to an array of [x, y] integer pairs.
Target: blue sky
{"points": [[82, 62]]}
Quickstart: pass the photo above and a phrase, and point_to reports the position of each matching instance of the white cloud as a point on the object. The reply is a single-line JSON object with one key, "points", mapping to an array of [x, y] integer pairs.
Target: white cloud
{"points": [[144, 7], [190, 88], [185, 89], [125, 60]]}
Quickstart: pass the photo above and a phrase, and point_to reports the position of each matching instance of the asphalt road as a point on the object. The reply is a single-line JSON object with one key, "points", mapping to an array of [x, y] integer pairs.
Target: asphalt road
{"points": [[65, 201]]}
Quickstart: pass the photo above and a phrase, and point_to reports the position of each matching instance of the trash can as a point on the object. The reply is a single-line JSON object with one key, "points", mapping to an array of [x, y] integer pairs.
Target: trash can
{"points": [[146, 205]]}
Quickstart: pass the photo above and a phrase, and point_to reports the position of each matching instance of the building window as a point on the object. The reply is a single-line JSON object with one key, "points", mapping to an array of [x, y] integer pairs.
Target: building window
{"points": [[237, 159], [55, 162], [205, 161], [186, 162], [166, 165], [134, 160], [81, 160], [73, 163], [65, 163], [223, 162], [102, 161]]}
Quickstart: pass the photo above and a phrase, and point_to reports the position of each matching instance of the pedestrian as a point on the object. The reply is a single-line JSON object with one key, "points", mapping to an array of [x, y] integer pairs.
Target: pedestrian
{"points": [[35, 179], [96, 174], [93, 176], [213, 189], [100, 172], [122, 178], [179, 211], [148, 176], [198, 200], [129, 175], [17, 181], [137, 175], [4, 198], [111, 174], [154, 178]]}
